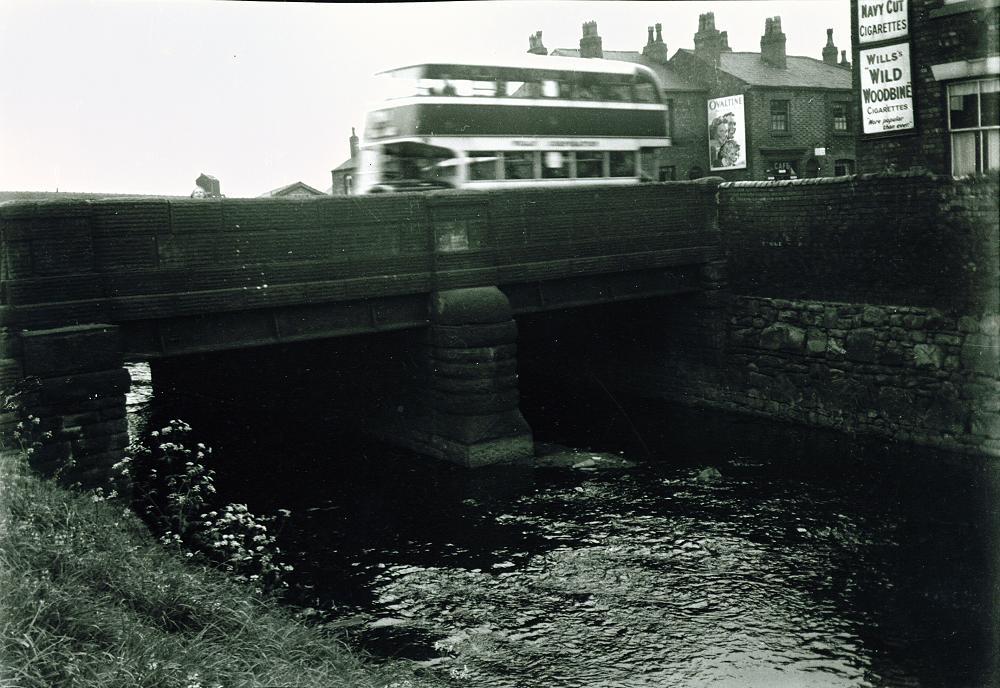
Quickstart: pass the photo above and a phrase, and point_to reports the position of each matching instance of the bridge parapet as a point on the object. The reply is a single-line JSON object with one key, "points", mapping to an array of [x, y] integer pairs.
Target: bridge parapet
{"points": [[164, 277]]}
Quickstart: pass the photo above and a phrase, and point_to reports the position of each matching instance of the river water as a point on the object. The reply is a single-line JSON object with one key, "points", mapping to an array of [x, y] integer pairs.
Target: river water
{"points": [[661, 547]]}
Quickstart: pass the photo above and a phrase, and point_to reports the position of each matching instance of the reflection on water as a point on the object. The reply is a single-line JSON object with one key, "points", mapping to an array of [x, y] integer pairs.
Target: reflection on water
{"points": [[812, 561]]}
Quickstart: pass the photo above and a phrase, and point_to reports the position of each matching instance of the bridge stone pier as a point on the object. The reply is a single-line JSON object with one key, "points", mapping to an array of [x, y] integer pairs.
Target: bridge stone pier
{"points": [[469, 411], [86, 285]]}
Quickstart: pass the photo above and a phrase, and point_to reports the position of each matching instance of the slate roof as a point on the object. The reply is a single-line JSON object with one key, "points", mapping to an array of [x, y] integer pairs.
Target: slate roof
{"points": [[285, 190], [801, 72], [344, 166], [669, 79]]}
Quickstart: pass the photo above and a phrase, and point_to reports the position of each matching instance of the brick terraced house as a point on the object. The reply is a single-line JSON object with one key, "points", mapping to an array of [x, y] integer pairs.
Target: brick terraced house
{"points": [[798, 111]]}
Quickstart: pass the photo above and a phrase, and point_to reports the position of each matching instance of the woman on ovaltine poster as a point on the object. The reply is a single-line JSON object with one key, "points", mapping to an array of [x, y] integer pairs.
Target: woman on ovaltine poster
{"points": [[725, 150]]}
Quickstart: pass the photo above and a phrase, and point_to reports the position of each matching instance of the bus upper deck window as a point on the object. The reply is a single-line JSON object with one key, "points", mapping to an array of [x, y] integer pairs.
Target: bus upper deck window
{"points": [[430, 87], [644, 93], [618, 92], [484, 88], [550, 89], [583, 92], [524, 89]]}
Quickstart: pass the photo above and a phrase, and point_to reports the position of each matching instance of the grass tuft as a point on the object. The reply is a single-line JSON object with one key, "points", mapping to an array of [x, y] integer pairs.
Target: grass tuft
{"points": [[89, 598]]}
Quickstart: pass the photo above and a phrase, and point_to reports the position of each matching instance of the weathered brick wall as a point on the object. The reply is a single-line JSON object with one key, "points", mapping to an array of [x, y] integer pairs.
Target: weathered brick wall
{"points": [[868, 304], [906, 239], [810, 126], [689, 142], [938, 34]]}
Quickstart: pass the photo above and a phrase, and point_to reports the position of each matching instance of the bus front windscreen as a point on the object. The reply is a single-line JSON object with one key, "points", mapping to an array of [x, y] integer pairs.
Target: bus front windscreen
{"points": [[414, 164]]}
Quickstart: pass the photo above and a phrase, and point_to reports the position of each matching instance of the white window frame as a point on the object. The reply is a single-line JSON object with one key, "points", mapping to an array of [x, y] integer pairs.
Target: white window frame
{"points": [[983, 163]]}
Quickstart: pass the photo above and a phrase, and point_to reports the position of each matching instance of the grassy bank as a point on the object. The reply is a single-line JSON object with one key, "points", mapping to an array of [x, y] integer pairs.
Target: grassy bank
{"points": [[88, 598]]}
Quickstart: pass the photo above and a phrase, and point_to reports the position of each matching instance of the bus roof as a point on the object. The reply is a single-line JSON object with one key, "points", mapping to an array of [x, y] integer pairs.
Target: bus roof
{"points": [[540, 63]]}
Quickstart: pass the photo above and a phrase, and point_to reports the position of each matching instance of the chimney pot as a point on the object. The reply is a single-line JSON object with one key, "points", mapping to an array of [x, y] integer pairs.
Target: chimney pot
{"points": [[535, 45], [830, 50], [772, 44], [656, 50], [353, 142], [590, 43], [649, 35], [709, 42]]}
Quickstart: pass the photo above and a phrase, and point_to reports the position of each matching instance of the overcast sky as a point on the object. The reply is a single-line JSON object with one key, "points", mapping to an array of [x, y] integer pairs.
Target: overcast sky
{"points": [[140, 96]]}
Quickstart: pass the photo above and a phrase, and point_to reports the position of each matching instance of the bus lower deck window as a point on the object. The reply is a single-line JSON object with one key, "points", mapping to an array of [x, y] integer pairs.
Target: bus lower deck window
{"points": [[589, 164], [555, 165], [622, 164], [519, 165], [482, 165]]}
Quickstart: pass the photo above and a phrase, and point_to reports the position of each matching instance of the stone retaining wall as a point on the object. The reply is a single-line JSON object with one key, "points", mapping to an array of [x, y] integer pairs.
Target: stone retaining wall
{"points": [[867, 304], [904, 373]]}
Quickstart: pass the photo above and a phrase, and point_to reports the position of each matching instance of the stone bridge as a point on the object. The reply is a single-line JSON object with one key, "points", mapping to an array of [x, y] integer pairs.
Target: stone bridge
{"points": [[86, 285]]}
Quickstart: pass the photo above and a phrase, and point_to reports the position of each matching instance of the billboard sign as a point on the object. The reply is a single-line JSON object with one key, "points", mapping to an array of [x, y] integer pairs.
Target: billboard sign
{"points": [[886, 89], [882, 20], [726, 134]]}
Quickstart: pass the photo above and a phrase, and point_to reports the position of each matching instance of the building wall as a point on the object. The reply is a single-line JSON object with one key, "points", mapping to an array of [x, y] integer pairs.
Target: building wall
{"points": [[717, 84], [689, 144], [340, 183], [938, 34], [810, 127], [811, 119]]}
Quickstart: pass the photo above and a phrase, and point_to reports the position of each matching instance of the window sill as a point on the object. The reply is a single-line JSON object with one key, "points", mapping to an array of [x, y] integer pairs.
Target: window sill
{"points": [[781, 134], [961, 7]]}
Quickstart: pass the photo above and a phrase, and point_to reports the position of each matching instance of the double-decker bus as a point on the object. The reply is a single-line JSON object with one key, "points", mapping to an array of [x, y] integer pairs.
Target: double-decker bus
{"points": [[538, 121]]}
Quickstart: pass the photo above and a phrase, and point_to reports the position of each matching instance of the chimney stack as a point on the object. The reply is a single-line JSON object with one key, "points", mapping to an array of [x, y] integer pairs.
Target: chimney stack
{"points": [[656, 49], [209, 186], [590, 43], [354, 144], [535, 46], [709, 42], [772, 44], [843, 59], [830, 50]]}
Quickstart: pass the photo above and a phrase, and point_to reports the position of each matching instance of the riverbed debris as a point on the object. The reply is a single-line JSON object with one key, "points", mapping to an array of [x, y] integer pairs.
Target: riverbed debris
{"points": [[556, 456]]}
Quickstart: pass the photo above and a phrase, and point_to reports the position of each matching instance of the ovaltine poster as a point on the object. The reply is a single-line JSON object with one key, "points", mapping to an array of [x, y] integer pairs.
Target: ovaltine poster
{"points": [[726, 134]]}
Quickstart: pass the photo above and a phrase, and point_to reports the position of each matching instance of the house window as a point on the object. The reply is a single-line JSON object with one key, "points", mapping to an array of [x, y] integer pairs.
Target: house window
{"points": [[841, 117], [348, 185], [974, 123], [779, 116], [843, 167], [668, 173]]}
